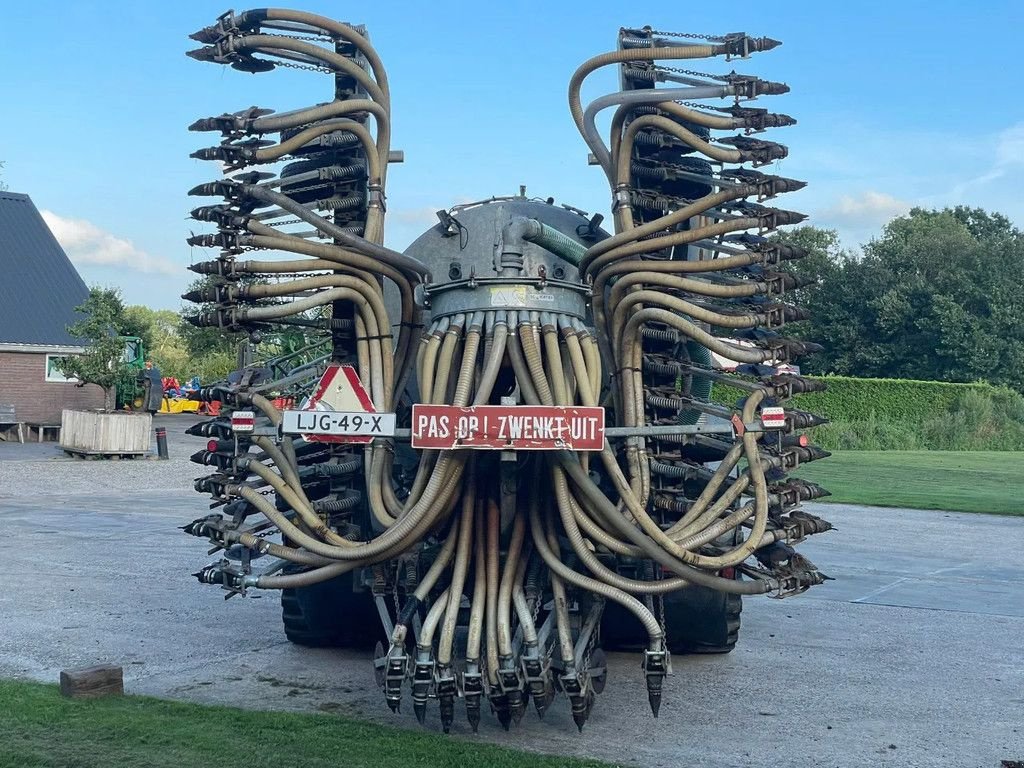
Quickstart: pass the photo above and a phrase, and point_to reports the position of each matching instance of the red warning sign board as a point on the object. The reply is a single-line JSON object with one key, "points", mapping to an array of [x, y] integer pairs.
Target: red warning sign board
{"points": [[508, 427], [339, 390]]}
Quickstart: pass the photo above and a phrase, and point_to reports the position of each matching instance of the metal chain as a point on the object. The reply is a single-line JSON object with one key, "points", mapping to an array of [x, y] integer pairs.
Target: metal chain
{"points": [[694, 73], [590, 651], [537, 604], [306, 67], [305, 38], [307, 188], [710, 38], [698, 105]]}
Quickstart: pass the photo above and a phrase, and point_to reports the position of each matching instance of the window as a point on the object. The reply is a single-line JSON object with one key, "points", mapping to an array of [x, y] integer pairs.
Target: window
{"points": [[54, 373], [132, 350]]}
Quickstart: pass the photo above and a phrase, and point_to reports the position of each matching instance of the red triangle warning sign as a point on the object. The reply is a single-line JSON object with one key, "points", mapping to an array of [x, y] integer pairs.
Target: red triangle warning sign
{"points": [[340, 390]]}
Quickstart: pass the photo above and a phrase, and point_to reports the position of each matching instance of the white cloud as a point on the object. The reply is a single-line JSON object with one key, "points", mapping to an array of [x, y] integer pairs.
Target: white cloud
{"points": [[1007, 151], [869, 209], [85, 243], [1010, 146]]}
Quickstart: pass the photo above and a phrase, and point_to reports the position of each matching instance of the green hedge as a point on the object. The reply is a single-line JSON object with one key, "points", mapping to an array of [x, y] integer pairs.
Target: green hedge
{"points": [[893, 400], [901, 414]]}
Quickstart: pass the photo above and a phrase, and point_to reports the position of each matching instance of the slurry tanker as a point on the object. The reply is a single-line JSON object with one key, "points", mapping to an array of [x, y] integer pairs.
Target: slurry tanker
{"points": [[507, 449]]}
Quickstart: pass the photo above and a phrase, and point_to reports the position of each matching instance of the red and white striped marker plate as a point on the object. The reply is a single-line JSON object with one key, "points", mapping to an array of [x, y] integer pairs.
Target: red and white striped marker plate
{"points": [[773, 417], [243, 421]]}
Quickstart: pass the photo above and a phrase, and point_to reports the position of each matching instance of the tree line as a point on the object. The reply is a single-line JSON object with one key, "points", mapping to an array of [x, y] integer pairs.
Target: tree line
{"points": [[937, 296]]}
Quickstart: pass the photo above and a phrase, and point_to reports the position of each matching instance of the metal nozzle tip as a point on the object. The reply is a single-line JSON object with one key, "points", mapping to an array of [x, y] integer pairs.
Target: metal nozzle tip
{"points": [[505, 718], [205, 35], [206, 53]]}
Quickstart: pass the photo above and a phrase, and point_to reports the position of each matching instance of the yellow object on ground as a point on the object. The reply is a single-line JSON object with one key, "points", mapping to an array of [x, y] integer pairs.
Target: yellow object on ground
{"points": [[178, 405]]}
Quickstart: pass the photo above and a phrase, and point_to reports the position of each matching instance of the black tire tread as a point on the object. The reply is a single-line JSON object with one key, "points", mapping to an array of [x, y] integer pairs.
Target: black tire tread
{"points": [[330, 615], [699, 620]]}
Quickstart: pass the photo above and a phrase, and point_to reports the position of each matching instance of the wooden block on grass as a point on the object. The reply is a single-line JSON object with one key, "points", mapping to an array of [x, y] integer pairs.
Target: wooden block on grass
{"points": [[92, 682]]}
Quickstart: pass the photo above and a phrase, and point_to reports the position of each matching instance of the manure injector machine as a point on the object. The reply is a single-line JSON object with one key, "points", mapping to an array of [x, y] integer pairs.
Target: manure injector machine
{"points": [[512, 462]]}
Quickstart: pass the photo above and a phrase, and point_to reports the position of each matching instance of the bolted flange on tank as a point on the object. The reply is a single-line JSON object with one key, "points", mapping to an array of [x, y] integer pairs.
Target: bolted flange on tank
{"points": [[508, 253]]}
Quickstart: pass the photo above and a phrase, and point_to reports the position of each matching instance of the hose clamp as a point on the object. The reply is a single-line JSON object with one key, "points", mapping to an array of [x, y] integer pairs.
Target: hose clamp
{"points": [[621, 198], [376, 197]]}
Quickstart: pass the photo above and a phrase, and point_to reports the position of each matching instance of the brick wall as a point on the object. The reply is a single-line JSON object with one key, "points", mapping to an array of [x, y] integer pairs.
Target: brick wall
{"points": [[23, 383]]}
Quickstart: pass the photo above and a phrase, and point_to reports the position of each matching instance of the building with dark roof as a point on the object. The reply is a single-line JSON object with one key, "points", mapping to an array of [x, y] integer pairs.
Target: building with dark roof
{"points": [[39, 290]]}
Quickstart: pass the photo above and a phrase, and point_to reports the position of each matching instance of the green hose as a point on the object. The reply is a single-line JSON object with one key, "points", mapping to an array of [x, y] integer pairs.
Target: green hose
{"points": [[554, 241], [700, 386]]}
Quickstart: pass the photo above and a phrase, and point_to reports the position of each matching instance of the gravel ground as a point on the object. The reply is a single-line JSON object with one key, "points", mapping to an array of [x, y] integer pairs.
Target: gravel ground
{"points": [[912, 657], [34, 467]]}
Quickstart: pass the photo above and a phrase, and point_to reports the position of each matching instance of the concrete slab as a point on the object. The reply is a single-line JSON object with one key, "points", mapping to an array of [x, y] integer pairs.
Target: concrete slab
{"points": [[912, 657]]}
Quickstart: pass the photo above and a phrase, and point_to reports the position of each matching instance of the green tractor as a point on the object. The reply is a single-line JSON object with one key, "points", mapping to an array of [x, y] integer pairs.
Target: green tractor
{"points": [[130, 391]]}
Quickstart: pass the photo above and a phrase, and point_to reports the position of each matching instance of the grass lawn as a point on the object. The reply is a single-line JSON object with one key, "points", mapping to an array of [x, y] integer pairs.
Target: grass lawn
{"points": [[955, 481], [42, 728]]}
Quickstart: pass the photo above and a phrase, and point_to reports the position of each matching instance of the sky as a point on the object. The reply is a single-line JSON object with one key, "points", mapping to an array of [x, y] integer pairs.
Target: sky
{"points": [[901, 103]]}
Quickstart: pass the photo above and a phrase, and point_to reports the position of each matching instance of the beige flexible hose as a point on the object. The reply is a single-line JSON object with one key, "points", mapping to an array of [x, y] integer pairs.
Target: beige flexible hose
{"points": [[630, 54], [504, 619], [267, 44], [561, 571], [425, 508], [492, 367], [300, 139], [476, 609], [493, 553], [425, 642], [343, 31], [462, 557], [592, 563], [689, 115]]}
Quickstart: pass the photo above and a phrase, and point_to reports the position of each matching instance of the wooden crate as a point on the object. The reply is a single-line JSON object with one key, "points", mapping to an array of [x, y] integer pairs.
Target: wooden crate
{"points": [[92, 682], [96, 432]]}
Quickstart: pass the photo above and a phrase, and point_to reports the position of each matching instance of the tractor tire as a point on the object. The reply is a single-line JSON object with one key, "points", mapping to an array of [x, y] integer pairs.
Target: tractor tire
{"points": [[330, 615], [697, 619]]}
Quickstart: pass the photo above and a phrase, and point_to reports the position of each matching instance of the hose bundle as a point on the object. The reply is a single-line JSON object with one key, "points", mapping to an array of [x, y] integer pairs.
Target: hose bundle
{"points": [[491, 571]]}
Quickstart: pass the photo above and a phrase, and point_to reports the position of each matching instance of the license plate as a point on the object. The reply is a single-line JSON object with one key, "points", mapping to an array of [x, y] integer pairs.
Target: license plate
{"points": [[338, 423]]}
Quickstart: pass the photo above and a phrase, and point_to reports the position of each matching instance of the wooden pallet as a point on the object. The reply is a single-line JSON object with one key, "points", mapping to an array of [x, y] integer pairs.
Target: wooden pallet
{"points": [[81, 453]]}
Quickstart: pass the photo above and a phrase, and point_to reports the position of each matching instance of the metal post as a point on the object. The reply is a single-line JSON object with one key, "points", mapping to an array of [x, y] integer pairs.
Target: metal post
{"points": [[161, 442]]}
